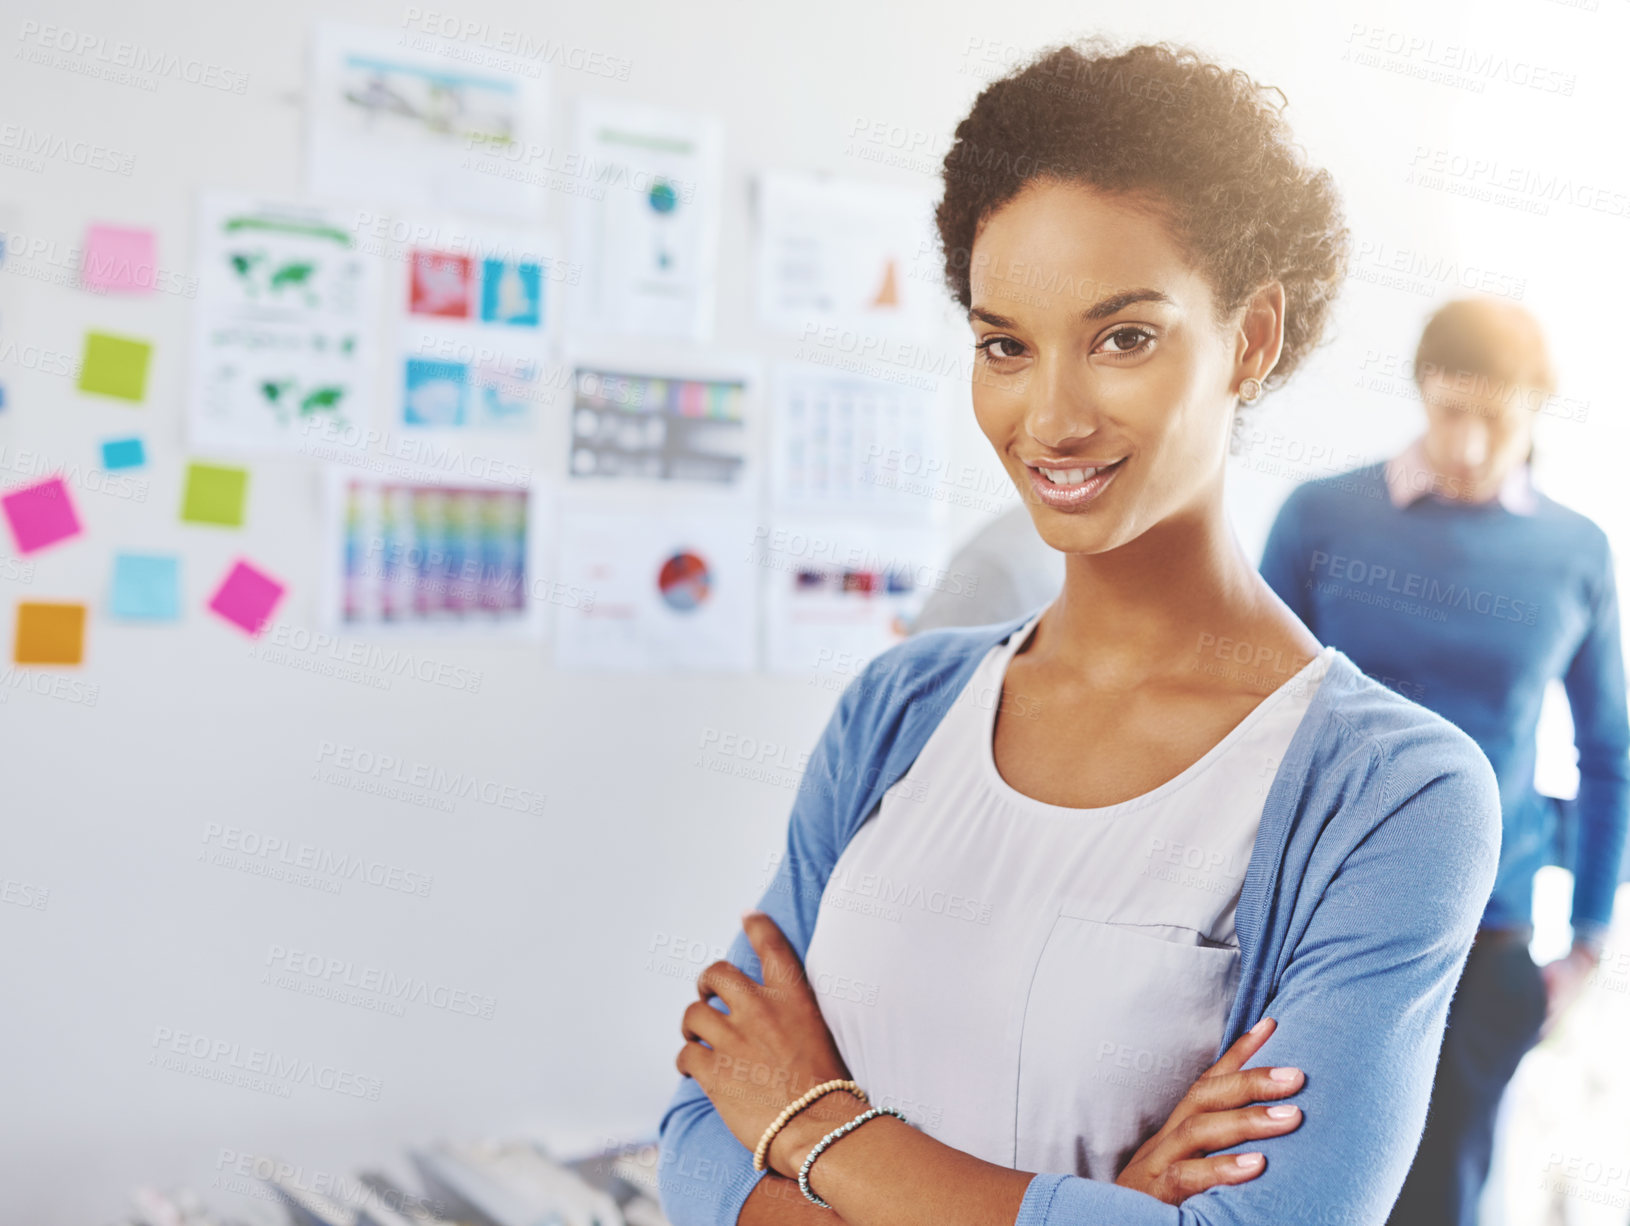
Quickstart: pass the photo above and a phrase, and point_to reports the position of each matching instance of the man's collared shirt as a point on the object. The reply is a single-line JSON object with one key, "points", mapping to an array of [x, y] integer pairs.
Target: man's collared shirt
{"points": [[1410, 477]]}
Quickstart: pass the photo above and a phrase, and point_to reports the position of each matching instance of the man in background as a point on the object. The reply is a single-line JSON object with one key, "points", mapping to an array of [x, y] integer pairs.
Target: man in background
{"points": [[1445, 574]]}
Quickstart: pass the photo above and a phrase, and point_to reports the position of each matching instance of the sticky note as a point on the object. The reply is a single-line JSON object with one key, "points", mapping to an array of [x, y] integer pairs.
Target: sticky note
{"points": [[215, 495], [49, 633], [123, 453], [120, 259], [40, 514], [246, 597], [114, 366], [146, 586]]}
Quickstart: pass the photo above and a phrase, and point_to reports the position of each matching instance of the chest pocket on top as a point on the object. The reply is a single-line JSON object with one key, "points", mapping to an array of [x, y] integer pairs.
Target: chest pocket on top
{"points": [[1119, 1022]]}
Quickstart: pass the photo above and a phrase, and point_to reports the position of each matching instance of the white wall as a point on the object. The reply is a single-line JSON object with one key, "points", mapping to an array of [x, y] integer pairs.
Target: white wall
{"points": [[555, 917]]}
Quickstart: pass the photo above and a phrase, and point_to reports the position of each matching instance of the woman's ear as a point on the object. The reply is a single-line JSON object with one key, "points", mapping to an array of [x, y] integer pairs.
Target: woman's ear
{"points": [[1261, 334]]}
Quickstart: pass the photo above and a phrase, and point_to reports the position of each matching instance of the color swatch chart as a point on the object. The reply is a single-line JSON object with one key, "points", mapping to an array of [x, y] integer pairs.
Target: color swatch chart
{"points": [[648, 427], [420, 554]]}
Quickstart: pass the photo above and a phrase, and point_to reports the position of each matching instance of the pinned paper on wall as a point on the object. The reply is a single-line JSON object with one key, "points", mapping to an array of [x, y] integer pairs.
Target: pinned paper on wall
{"points": [[412, 128], [215, 495], [246, 597], [667, 590], [672, 426], [432, 558], [40, 514], [837, 256], [120, 259], [120, 453], [115, 366], [146, 587], [285, 327], [843, 442], [838, 592], [649, 234], [476, 313], [49, 633]]}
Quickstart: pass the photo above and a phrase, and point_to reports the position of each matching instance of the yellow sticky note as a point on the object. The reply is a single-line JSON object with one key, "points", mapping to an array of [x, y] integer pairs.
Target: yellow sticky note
{"points": [[215, 495], [49, 633], [114, 366]]}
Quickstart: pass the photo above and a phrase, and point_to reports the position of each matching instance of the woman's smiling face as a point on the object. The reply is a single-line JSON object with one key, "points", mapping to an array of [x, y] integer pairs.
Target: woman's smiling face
{"points": [[1098, 348]]}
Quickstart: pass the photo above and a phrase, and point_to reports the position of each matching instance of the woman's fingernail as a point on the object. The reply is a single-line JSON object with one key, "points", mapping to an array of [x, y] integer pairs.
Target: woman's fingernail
{"points": [[1262, 1025], [1248, 1162], [1284, 1074], [1283, 1113]]}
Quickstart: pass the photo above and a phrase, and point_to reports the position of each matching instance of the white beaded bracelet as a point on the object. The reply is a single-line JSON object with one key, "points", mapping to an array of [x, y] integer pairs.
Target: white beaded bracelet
{"points": [[761, 1154], [841, 1130]]}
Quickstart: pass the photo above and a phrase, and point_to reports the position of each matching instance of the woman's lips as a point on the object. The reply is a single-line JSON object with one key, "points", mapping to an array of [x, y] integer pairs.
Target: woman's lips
{"points": [[1072, 497]]}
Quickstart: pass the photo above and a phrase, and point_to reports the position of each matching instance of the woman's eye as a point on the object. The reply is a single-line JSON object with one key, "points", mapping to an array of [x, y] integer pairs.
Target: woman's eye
{"points": [[992, 348], [1126, 340]]}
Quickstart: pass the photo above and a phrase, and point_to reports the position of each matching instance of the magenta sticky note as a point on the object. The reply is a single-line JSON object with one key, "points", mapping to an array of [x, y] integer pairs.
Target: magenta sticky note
{"points": [[40, 514], [121, 259], [246, 597]]}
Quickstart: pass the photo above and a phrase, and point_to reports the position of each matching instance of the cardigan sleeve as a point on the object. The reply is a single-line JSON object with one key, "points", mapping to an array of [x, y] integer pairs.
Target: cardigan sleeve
{"points": [[1361, 1008], [704, 1174]]}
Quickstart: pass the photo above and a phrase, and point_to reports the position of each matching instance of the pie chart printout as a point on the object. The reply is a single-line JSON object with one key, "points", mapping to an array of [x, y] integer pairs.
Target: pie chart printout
{"points": [[684, 581]]}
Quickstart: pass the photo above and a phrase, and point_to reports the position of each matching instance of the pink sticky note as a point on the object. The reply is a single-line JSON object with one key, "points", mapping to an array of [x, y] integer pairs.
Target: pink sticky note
{"points": [[41, 514], [246, 597], [119, 259]]}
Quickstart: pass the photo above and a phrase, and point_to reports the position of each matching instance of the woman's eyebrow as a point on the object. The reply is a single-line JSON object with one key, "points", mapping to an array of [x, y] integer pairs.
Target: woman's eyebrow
{"points": [[990, 317], [1101, 309], [1119, 302]]}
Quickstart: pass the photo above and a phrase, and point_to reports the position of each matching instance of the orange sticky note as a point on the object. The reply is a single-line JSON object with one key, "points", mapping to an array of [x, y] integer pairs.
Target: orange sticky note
{"points": [[49, 633]]}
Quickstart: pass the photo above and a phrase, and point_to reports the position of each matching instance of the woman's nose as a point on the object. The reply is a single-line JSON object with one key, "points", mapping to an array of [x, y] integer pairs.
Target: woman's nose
{"points": [[1058, 405]]}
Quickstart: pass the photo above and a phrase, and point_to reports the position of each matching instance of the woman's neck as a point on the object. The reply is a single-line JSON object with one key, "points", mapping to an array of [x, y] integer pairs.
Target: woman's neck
{"points": [[1147, 606]]}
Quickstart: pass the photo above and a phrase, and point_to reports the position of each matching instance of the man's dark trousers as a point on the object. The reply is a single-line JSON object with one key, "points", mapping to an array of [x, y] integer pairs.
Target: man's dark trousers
{"points": [[1494, 1019]]}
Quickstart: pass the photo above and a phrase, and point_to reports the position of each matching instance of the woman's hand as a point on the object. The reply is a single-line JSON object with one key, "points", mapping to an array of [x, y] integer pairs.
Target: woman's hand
{"points": [[1216, 1114], [771, 1047]]}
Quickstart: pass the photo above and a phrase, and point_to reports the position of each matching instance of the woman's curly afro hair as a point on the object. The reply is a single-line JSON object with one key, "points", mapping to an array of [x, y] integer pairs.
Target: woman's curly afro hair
{"points": [[1206, 146]]}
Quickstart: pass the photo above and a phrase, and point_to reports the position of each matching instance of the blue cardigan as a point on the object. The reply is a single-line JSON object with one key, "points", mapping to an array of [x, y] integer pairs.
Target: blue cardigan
{"points": [[1376, 853]]}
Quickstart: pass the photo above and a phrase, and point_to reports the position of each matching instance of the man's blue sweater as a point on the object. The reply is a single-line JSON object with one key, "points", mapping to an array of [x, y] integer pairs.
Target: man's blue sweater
{"points": [[1472, 610]]}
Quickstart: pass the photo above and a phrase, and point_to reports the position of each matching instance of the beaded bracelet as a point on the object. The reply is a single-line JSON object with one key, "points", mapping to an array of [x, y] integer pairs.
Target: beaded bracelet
{"points": [[761, 1154], [841, 1130]]}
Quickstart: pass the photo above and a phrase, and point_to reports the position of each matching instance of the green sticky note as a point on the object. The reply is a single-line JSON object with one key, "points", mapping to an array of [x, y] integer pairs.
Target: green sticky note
{"points": [[114, 366], [215, 495]]}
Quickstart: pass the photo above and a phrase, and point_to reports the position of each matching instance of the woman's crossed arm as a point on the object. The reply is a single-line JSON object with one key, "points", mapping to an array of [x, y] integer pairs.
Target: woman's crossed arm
{"points": [[1360, 1007]]}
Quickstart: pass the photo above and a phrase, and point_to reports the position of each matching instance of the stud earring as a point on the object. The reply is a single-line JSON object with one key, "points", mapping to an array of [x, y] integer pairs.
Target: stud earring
{"points": [[1250, 390]]}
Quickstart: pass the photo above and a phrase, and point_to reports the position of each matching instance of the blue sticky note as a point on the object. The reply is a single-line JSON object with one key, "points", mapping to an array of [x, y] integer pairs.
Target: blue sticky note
{"points": [[123, 453], [146, 586]]}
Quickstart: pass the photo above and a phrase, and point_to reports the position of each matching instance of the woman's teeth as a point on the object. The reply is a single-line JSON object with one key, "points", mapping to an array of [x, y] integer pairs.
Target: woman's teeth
{"points": [[1071, 476]]}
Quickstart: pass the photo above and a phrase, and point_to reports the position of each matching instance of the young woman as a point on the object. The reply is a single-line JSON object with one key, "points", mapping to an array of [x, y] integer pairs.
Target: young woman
{"points": [[1041, 874]]}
